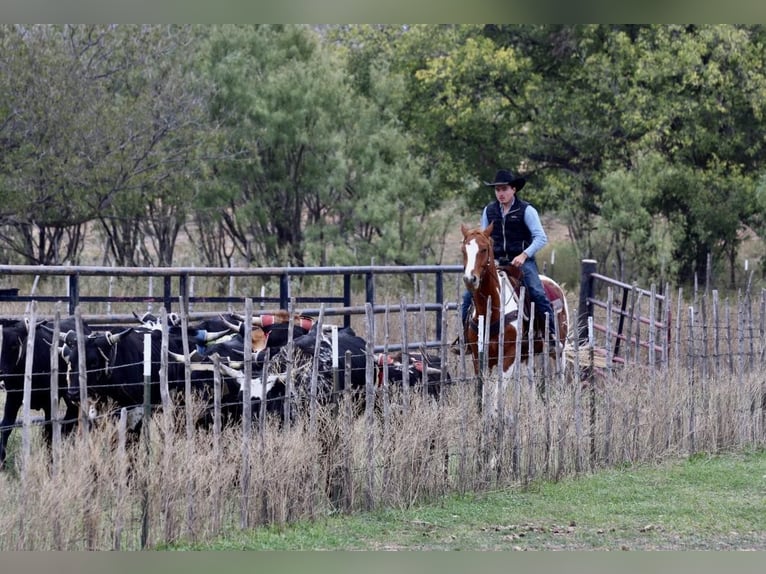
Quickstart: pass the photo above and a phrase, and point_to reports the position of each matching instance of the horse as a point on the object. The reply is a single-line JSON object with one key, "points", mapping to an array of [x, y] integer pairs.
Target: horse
{"points": [[485, 282]]}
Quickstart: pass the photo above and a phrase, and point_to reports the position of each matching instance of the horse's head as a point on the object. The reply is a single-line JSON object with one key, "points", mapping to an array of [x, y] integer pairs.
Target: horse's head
{"points": [[478, 255]]}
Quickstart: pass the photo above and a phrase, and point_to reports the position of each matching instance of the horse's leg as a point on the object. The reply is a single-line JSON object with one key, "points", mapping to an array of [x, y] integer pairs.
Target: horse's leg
{"points": [[510, 364]]}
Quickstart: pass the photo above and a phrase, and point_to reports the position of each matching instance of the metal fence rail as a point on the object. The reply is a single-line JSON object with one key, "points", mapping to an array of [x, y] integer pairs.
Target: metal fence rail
{"points": [[176, 287]]}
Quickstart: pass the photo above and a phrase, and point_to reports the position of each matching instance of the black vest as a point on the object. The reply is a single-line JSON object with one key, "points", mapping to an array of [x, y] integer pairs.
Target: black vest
{"points": [[510, 234]]}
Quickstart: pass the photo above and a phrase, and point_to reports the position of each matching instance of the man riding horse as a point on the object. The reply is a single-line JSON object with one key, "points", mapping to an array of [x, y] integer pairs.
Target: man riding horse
{"points": [[517, 235]]}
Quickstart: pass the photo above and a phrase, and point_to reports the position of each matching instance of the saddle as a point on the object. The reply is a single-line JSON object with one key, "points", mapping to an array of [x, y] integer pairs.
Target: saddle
{"points": [[513, 276]]}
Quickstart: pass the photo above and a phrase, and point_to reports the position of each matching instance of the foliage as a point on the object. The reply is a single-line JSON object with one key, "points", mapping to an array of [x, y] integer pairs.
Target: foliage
{"points": [[287, 144], [313, 173], [93, 130]]}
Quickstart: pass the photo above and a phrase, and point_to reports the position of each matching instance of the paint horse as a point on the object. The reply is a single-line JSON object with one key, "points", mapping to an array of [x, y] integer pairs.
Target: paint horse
{"points": [[483, 279]]}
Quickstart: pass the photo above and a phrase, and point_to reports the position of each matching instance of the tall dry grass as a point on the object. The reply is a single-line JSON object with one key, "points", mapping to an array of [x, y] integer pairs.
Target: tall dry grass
{"points": [[705, 394], [406, 450]]}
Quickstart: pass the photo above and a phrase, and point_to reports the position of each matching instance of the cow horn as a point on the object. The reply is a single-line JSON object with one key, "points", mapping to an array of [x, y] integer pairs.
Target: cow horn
{"points": [[211, 336], [178, 357], [231, 326], [201, 367], [68, 336], [228, 370], [114, 338]]}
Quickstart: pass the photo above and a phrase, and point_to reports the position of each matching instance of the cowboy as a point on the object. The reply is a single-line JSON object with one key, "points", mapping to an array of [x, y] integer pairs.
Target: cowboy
{"points": [[517, 235]]}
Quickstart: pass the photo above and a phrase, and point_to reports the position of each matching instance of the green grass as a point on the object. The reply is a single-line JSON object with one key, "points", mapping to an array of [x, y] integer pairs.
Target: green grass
{"points": [[705, 502]]}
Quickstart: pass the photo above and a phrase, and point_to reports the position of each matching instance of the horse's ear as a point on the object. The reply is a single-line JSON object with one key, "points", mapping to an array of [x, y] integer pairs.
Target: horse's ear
{"points": [[488, 229], [464, 230]]}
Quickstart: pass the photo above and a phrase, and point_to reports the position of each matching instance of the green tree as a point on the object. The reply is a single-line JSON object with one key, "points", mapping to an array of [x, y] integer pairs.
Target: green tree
{"points": [[314, 172], [98, 124], [583, 111], [709, 83], [42, 213]]}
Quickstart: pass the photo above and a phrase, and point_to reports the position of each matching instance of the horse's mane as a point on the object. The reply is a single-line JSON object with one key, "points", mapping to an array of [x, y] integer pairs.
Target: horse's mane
{"points": [[471, 231]]}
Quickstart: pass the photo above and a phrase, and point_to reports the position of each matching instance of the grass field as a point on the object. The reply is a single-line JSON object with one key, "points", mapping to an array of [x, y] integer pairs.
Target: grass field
{"points": [[701, 503]]}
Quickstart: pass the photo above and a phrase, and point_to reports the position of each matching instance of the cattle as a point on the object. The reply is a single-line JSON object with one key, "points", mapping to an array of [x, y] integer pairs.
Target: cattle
{"points": [[114, 363], [418, 366], [329, 365], [269, 330], [115, 372], [224, 337], [12, 366]]}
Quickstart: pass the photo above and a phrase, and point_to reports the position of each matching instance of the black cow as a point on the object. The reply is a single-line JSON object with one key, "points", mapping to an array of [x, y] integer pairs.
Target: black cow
{"points": [[419, 364], [114, 364], [12, 364], [275, 383], [303, 358]]}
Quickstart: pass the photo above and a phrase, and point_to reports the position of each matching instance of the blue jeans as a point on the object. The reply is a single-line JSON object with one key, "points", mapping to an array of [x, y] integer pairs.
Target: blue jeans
{"points": [[537, 295], [534, 290]]}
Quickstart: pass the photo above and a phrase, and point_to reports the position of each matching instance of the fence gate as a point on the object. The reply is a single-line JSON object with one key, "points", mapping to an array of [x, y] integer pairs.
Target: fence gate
{"points": [[630, 324]]}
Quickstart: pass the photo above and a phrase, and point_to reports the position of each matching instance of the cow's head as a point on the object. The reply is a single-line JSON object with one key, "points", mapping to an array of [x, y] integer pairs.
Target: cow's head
{"points": [[99, 361]]}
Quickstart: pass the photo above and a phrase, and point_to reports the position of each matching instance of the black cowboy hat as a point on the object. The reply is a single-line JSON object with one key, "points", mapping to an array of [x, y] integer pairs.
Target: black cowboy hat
{"points": [[505, 177]]}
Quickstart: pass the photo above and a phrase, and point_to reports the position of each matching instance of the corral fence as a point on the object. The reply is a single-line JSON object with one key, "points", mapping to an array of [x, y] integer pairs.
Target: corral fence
{"points": [[624, 322], [105, 301], [704, 330], [676, 384]]}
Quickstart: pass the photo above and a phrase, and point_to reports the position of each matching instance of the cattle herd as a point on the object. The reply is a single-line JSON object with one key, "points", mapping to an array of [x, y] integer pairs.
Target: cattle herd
{"points": [[210, 350]]}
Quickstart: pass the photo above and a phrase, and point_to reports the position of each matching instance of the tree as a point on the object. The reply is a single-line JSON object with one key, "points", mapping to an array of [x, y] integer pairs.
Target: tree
{"points": [[314, 172], [42, 213], [580, 110], [93, 129]]}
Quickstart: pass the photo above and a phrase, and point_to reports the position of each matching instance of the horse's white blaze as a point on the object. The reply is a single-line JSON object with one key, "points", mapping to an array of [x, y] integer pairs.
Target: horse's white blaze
{"points": [[471, 251]]}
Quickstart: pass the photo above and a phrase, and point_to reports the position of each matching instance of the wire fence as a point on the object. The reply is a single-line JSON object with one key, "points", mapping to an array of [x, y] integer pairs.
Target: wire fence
{"points": [[688, 381]]}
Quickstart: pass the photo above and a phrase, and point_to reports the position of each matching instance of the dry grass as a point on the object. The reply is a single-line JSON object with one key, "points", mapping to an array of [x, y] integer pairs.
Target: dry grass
{"points": [[409, 450]]}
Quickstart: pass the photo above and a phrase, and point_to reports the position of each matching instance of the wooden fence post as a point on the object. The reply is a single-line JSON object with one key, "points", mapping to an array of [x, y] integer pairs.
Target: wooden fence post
{"points": [[585, 307], [247, 417]]}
